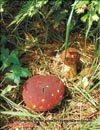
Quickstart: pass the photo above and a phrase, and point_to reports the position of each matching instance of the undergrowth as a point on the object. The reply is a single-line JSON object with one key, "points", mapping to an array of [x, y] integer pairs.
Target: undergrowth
{"points": [[32, 36]]}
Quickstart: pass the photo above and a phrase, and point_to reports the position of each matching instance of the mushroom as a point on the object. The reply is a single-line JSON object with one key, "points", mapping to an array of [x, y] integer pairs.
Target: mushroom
{"points": [[42, 93], [72, 56], [71, 60]]}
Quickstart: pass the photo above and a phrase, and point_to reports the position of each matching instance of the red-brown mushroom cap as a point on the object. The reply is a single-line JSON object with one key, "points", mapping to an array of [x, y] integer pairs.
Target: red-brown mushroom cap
{"points": [[42, 93], [72, 56]]}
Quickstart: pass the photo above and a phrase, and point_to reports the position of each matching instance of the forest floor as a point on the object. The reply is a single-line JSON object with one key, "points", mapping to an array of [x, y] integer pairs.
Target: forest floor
{"points": [[79, 108]]}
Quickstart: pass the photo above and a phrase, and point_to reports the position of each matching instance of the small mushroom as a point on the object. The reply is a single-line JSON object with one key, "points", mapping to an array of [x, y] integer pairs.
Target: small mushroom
{"points": [[71, 60], [72, 56], [42, 93]]}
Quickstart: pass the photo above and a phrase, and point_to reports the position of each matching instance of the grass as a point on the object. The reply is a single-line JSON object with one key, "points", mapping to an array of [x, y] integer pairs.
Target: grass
{"points": [[79, 109], [79, 104]]}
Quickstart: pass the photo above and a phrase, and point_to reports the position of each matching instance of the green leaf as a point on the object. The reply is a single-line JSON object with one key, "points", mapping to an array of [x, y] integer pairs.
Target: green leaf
{"points": [[4, 54], [17, 80], [84, 18], [10, 76], [16, 72], [20, 71], [13, 58], [13, 77], [7, 59]]}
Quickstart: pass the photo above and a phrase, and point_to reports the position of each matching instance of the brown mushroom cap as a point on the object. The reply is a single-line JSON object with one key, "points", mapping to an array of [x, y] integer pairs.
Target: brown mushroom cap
{"points": [[72, 56], [42, 93]]}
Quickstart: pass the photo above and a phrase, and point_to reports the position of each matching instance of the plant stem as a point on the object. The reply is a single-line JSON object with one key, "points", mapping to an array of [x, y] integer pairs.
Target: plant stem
{"points": [[68, 25]]}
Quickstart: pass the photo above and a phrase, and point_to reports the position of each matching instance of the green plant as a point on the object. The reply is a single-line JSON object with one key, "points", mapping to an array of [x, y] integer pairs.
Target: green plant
{"points": [[69, 24], [11, 66], [90, 13], [20, 111], [29, 9], [25, 27]]}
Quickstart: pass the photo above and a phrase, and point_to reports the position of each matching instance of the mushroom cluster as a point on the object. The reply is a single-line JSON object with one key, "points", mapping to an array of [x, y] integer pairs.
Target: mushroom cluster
{"points": [[42, 93], [70, 60]]}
